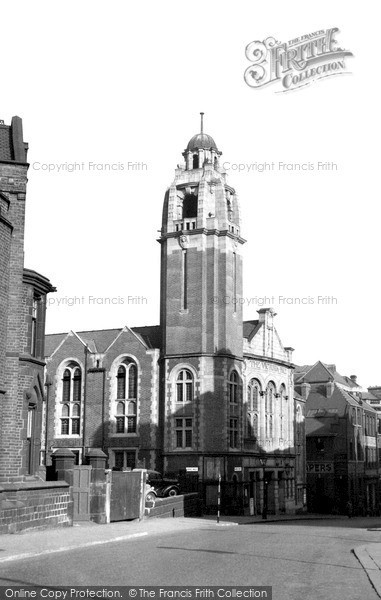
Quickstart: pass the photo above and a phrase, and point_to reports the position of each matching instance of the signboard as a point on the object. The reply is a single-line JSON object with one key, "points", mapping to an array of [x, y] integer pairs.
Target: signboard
{"points": [[320, 467], [238, 469], [192, 469]]}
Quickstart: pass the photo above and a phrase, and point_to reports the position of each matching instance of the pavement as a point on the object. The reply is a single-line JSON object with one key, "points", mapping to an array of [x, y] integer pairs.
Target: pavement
{"points": [[369, 557], [29, 544]]}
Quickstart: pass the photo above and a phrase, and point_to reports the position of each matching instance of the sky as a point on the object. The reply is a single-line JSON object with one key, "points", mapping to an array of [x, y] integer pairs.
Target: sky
{"points": [[122, 84]]}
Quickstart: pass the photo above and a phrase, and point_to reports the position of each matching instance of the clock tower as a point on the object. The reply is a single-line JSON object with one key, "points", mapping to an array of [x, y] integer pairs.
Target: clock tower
{"points": [[200, 309]]}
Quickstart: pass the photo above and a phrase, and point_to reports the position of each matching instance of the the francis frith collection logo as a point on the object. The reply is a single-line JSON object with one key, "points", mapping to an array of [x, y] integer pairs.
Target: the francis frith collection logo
{"points": [[296, 63]]}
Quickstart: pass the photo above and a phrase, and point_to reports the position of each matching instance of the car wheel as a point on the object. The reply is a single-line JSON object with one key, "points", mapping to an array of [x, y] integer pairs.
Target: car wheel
{"points": [[173, 492], [151, 497]]}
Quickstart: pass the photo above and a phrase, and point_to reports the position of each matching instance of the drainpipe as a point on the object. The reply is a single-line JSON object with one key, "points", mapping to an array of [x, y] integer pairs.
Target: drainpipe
{"points": [[84, 408], [48, 383], [103, 409]]}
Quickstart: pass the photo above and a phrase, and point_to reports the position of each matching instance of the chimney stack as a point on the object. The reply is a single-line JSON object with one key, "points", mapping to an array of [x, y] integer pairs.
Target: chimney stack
{"points": [[305, 389], [354, 378]]}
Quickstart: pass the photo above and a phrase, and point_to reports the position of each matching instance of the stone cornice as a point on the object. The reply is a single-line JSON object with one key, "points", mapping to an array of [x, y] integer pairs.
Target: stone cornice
{"points": [[201, 354], [40, 283], [32, 359], [204, 231]]}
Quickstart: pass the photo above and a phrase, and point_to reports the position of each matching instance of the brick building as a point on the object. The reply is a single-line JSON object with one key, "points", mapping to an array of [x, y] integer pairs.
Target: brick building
{"points": [[341, 442], [202, 391], [26, 499], [22, 320]]}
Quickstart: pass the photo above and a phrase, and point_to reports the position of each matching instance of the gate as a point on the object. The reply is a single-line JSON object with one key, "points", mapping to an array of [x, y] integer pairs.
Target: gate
{"points": [[126, 495], [81, 493]]}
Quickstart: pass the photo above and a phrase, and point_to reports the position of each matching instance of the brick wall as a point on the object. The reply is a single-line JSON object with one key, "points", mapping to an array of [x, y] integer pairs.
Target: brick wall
{"points": [[188, 505], [34, 505]]}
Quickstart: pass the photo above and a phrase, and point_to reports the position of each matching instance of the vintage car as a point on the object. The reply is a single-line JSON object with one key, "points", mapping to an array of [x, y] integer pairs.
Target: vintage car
{"points": [[159, 486]]}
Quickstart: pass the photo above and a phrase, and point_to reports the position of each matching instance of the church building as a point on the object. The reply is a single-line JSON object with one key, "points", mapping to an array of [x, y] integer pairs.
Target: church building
{"points": [[203, 392]]}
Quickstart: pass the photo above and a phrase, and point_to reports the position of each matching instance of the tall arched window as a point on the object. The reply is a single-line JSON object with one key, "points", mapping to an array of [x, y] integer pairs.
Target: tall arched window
{"points": [[184, 386], [126, 395], [66, 384], [269, 409], [270, 393], [253, 390], [71, 400], [233, 388], [233, 410]]}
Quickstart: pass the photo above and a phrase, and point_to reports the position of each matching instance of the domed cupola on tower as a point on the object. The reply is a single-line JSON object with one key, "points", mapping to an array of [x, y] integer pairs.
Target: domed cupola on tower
{"points": [[201, 149], [199, 197]]}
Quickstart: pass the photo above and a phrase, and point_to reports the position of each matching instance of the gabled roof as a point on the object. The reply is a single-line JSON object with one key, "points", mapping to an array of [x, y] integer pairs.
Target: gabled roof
{"points": [[320, 372], [99, 340], [324, 411]]}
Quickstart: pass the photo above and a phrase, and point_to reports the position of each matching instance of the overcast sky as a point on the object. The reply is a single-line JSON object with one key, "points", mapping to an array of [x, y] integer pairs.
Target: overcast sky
{"points": [[123, 82]]}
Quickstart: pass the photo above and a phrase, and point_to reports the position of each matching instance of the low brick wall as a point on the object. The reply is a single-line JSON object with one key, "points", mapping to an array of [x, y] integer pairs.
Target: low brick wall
{"points": [[188, 505], [35, 505]]}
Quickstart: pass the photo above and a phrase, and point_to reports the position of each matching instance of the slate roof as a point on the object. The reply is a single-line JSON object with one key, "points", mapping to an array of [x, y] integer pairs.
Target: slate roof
{"points": [[322, 412], [52, 341], [301, 371], [99, 340], [250, 328], [201, 140]]}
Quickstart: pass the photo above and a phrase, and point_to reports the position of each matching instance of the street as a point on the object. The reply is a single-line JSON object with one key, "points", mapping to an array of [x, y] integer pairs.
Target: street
{"points": [[302, 560]]}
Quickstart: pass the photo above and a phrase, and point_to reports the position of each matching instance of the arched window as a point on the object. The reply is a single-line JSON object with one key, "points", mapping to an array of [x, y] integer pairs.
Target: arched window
{"points": [[270, 393], [233, 388], [66, 381], [269, 408], [233, 406], [71, 400], [77, 380], [121, 382], [195, 161], [126, 395], [132, 381], [253, 390], [184, 386]]}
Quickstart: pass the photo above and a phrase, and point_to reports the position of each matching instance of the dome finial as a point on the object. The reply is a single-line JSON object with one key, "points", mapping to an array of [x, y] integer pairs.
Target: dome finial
{"points": [[202, 122]]}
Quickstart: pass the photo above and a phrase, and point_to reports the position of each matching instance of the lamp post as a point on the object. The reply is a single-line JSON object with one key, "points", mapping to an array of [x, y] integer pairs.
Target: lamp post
{"points": [[263, 460]]}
